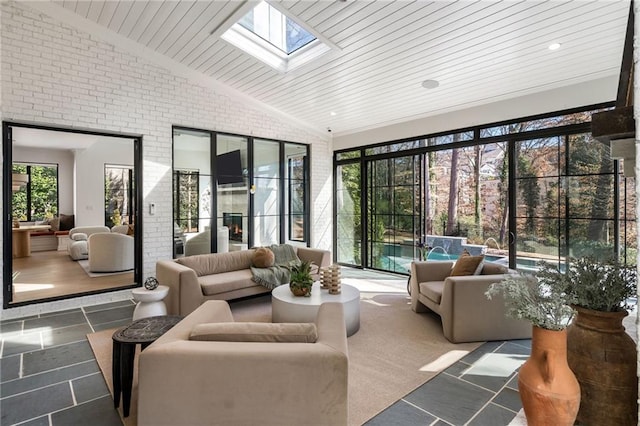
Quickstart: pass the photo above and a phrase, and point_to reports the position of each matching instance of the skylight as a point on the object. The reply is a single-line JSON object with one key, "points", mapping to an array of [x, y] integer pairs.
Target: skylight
{"points": [[275, 38], [282, 32]]}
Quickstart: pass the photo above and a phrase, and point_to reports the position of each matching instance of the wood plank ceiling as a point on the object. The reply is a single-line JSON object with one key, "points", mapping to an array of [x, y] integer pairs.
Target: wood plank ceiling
{"points": [[479, 52]]}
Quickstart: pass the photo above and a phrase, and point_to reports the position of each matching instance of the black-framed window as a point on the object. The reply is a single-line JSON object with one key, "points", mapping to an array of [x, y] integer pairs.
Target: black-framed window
{"points": [[297, 188], [246, 184], [530, 189], [35, 191]]}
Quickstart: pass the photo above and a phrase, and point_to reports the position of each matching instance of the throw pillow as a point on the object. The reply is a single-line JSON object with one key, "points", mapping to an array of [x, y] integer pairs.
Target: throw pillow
{"points": [[67, 222], [263, 258], [130, 230], [255, 332], [79, 236], [55, 224], [467, 265]]}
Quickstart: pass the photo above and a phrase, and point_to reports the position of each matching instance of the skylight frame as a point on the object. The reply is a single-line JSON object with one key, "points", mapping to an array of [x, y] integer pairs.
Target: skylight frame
{"points": [[261, 49]]}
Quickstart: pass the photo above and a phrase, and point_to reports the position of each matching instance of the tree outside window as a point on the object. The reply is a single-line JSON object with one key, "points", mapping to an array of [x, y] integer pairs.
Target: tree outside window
{"points": [[186, 202], [118, 195], [38, 199]]}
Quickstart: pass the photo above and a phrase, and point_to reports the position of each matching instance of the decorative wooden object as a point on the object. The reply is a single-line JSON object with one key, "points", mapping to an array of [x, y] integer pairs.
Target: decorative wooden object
{"points": [[604, 359], [330, 278]]}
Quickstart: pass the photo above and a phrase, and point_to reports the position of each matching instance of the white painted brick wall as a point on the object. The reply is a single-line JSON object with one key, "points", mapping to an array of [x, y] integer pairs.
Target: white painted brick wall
{"points": [[53, 74]]}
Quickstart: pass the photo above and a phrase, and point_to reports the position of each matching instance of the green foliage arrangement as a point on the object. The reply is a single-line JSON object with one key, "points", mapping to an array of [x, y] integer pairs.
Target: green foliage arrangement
{"points": [[116, 218], [600, 285], [300, 274], [540, 299]]}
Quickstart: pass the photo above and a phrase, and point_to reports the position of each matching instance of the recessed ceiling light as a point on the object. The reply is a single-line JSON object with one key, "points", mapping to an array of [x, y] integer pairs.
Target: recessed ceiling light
{"points": [[430, 84], [333, 113], [554, 46]]}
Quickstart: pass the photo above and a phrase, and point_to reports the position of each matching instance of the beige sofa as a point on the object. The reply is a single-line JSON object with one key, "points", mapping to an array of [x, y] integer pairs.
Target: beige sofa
{"points": [[217, 276], [191, 383], [467, 314]]}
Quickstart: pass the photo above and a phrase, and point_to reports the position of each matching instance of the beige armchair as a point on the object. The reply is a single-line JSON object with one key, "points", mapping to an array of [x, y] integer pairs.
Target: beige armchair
{"points": [[466, 313], [188, 382]]}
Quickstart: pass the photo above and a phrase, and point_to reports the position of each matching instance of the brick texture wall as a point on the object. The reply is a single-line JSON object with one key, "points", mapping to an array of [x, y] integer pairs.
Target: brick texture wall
{"points": [[54, 74]]}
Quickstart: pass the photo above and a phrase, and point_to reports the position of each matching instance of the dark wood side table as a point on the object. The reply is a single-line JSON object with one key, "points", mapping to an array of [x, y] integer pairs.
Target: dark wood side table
{"points": [[144, 332]]}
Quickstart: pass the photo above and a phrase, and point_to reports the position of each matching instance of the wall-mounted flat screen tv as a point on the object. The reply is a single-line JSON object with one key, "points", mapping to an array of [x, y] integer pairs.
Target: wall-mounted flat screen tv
{"points": [[229, 167]]}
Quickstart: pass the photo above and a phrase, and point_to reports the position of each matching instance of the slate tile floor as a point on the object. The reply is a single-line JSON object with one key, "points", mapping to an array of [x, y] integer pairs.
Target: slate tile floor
{"points": [[49, 376]]}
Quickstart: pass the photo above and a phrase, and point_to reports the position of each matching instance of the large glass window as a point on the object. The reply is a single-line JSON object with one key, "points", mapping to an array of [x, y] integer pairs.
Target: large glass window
{"points": [[35, 191], [232, 165], [266, 192], [560, 197], [392, 212], [192, 192], [348, 222], [296, 186], [232, 192]]}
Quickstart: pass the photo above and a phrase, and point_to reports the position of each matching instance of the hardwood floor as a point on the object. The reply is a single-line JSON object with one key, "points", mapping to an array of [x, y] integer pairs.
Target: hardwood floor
{"points": [[47, 274]]}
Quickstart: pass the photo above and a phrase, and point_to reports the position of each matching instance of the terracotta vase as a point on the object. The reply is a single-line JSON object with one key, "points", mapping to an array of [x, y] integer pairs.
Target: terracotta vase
{"points": [[549, 390], [603, 357]]}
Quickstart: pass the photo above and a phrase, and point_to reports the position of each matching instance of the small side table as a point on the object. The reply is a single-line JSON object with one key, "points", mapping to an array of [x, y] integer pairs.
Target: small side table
{"points": [[150, 302], [143, 332]]}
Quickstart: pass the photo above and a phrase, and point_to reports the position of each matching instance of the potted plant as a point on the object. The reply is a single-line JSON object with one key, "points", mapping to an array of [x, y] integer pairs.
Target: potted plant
{"points": [[600, 353], [300, 281], [549, 391]]}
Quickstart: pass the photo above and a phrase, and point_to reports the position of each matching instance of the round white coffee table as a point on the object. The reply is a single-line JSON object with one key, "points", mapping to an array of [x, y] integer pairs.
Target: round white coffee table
{"points": [[150, 302], [285, 307]]}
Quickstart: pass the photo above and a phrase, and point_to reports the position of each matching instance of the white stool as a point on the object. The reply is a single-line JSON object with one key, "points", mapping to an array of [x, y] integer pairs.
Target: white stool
{"points": [[150, 302]]}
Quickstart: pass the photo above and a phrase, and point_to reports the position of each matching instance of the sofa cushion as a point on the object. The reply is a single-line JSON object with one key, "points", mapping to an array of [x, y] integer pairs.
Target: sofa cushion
{"points": [[54, 223], [79, 236], [67, 222], [255, 332], [432, 290], [216, 263], [490, 268], [226, 281], [467, 265], [263, 258]]}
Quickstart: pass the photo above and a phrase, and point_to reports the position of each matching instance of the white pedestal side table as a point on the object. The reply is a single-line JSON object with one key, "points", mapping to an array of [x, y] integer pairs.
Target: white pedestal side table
{"points": [[285, 307], [150, 302]]}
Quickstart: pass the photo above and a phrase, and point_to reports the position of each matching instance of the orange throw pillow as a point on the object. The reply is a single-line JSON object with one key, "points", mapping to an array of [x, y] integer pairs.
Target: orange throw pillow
{"points": [[263, 258], [467, 265]]}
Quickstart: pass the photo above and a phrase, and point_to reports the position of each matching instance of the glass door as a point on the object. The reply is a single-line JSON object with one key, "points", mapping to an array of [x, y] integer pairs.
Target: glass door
{"points": [[232, 188], [265, 192], [348, 207], [564, 200], [393, 212]]}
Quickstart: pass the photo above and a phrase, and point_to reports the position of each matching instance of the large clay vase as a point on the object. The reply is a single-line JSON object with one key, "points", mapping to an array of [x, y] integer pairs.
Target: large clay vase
{"points": [[548, 388], [603, 357]]}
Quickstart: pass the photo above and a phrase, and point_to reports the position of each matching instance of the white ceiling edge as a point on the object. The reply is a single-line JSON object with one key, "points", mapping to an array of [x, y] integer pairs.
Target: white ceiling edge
{"points": [[76, 21], [582, 94]]}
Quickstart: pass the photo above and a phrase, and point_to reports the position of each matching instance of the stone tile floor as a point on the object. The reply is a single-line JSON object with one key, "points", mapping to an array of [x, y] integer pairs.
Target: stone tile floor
{"points": [[49, 376]]}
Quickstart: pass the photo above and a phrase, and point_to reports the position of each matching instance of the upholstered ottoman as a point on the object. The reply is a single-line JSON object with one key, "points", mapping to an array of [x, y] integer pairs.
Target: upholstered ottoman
{"points": [[78, 250]]}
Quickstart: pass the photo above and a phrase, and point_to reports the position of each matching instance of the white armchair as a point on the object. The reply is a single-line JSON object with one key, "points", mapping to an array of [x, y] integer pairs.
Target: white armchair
{"points": [[111, 252]]}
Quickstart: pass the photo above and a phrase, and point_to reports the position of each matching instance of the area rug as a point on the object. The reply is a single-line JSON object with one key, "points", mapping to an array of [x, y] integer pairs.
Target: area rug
{"points": [[394, 352], [84, 264]]}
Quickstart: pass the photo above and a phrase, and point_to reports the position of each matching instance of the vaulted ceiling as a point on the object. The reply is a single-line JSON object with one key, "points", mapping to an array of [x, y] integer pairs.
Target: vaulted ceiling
{"points": [[478, 51]]}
